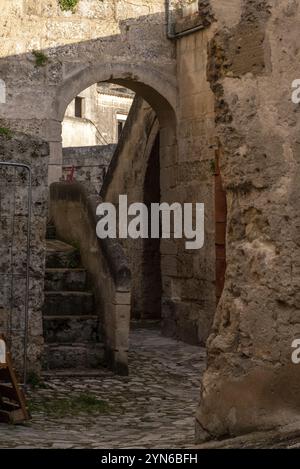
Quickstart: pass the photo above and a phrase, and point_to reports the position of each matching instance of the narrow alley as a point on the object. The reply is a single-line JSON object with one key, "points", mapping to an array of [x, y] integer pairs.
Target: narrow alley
{"points": [[152, 408]]}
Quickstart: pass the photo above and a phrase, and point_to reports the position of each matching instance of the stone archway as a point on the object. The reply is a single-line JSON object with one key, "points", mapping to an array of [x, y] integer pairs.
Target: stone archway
{"points": [[153, 85], [158, 89]]}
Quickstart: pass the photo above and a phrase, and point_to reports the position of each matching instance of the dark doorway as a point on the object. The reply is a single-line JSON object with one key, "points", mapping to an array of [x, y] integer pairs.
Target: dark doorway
{"points": [[151, 274]]}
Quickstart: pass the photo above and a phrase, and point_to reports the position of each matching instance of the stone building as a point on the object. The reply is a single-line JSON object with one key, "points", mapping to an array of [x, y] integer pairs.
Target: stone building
{"points": [[96, 116], [92, 126], [214, 123]]}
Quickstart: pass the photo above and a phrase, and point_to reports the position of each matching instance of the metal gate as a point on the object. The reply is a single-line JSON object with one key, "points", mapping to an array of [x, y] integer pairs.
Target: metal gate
{"points": [[15, 229]]}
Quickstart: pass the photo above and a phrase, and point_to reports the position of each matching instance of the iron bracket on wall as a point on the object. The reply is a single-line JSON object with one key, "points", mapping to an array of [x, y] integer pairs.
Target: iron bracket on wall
{"points": [[169, 26]]}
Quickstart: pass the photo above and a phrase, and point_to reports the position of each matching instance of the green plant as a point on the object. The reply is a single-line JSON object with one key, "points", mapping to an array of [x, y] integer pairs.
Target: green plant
{"points": [[5, 132], [68, 5], [213, 167], [74, 405], [40, 58], [34, 380]]}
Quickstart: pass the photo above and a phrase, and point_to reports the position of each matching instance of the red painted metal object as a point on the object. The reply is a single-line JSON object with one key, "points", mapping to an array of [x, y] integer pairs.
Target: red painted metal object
{"points": [[71, 173]]}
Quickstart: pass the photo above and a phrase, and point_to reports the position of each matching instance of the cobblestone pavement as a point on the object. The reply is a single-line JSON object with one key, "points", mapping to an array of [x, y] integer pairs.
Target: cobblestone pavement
{"points": [[152, 408]]}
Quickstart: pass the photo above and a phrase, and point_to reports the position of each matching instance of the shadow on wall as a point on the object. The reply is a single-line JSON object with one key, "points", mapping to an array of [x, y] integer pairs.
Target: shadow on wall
{"points": [[139, 58]]}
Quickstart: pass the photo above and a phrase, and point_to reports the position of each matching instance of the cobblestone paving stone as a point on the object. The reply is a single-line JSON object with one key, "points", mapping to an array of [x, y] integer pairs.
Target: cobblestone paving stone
{"points": [[152, 408]]}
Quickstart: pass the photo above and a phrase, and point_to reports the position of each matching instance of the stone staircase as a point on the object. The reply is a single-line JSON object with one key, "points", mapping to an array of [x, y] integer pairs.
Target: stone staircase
{"points": [[71, 327]]}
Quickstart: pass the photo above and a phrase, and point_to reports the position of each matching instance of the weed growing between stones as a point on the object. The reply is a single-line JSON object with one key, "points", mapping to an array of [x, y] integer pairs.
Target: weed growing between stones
{"points": [[66, 407], [68, 5], [5, 132], [40, 58], [35, 381]]}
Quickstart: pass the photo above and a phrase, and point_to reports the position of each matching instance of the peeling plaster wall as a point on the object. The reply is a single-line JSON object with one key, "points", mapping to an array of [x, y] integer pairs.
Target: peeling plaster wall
{"points": [[189, 280]]}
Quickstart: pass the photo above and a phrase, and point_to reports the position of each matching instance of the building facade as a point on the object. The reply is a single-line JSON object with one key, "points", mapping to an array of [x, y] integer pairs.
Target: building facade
{"points": [[96, 116]]}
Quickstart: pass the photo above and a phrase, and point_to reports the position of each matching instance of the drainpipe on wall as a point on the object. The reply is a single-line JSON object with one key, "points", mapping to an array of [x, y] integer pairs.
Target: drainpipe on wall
{"points": [[170, 33]]}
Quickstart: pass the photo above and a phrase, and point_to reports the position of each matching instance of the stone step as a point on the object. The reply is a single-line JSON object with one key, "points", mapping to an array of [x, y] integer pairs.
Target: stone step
{"points": [[51, 232], [71, 329], [61, 255], [64, 303], [80, 356], [65, 279]]}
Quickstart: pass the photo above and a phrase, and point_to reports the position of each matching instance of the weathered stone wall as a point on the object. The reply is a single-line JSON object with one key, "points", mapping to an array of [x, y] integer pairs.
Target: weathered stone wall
{"points": [[250, 382], [127, 175], [90, 164], [187, 176], [14, 193]]}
